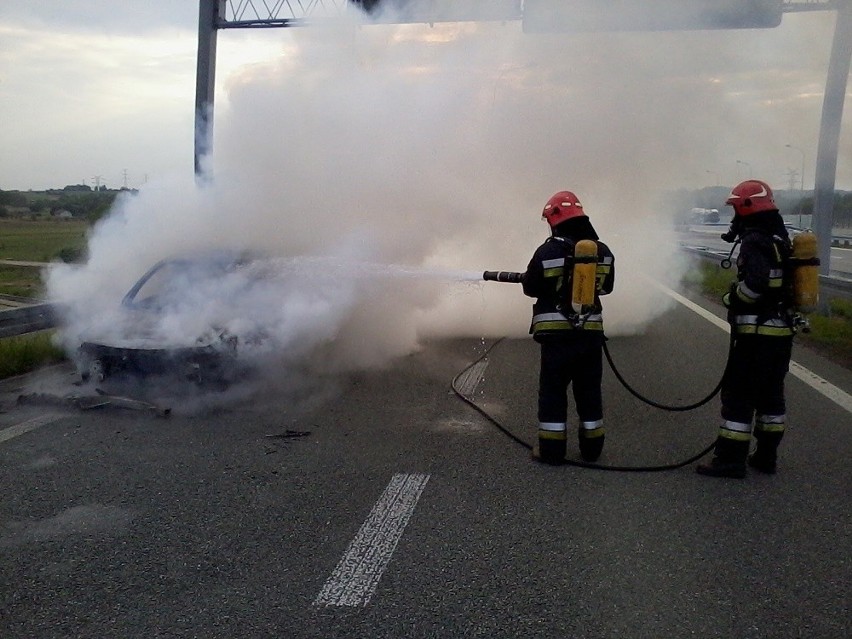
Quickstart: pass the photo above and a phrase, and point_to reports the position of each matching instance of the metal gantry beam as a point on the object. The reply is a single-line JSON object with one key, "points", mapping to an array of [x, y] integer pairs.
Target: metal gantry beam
{"points": [[248, 14], [252, 14], [215, 15]]}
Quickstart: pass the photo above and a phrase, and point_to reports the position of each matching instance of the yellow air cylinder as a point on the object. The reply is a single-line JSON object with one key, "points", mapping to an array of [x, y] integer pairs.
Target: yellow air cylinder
{"points": [[585, 267], [805, 272]]}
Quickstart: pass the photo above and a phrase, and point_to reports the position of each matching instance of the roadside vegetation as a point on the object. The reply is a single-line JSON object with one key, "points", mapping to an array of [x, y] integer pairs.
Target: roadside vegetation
{"points": [[41, 227], [40, 241], [78, 201], [46, 226], [831, 327], [25, 353]]}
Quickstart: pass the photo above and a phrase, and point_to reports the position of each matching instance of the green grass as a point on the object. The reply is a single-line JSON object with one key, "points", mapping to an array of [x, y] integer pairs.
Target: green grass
{"points": [[831, 333], [36, 241], [40, 240], [25, 353], [831, 328], [24, 281], [33, 241], [710, 278]]}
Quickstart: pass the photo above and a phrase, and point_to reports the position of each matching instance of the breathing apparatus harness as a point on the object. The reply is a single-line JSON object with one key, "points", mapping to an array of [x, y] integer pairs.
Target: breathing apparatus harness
{"points": [[798, 259]]}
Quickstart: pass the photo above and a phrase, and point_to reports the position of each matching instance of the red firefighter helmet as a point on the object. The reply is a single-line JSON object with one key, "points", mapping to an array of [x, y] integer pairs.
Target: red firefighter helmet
{"points": [[751, 196], [562, 206]]}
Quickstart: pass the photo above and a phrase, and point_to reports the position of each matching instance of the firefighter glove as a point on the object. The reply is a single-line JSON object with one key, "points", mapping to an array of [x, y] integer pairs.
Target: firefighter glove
{"points": [[728, 297]]}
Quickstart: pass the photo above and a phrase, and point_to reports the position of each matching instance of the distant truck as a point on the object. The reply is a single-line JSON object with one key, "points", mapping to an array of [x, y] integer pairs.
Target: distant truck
{"points": [[703, 216]]}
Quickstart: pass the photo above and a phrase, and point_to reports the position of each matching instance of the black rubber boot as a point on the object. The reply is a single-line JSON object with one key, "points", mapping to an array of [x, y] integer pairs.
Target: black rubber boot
{"points": [[550, 451], [729, 460], [765, 456], [590, 447]]}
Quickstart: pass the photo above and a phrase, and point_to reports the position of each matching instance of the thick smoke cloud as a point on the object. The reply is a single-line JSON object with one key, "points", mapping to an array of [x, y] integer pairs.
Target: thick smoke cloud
{"points": [[383, 165]]}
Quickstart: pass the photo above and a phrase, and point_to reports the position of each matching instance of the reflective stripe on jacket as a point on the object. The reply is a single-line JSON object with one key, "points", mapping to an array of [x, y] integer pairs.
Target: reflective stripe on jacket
{"points": [[761, 303]]}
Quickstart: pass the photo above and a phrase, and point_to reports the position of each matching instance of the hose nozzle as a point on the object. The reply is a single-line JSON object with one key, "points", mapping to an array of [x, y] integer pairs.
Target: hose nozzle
{"points": [[503, 276]]}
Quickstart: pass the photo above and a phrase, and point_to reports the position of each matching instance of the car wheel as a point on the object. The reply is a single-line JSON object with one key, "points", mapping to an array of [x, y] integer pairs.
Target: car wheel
{"points": [[97, 371]]}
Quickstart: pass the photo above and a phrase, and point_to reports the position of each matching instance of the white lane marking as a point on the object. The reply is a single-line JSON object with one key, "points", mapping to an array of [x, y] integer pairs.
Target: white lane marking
{"points": [[468, 382], [829, 390], [357, 575], [27, 426], [835, 394], [710, 317]]}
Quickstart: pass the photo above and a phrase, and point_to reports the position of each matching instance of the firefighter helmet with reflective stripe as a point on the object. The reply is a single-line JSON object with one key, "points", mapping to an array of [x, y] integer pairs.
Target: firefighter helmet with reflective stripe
{"points": [[562, 206], [751, 196]]}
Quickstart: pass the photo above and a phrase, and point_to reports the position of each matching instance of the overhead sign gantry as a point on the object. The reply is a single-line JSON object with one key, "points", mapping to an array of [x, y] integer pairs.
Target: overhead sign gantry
{"points": [[551, 16]]}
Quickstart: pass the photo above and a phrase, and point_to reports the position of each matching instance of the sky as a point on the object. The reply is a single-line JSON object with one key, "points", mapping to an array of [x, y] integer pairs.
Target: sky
{"points": [[383, 165], [97, 91]]}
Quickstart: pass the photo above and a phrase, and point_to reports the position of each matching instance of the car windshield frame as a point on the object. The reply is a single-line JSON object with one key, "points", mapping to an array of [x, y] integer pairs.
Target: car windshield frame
{"points": [[183, 266]]}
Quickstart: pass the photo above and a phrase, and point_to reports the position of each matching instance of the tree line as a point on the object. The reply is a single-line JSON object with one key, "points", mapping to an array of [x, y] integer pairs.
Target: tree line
{"points": [[80, 201], [83, 202]]}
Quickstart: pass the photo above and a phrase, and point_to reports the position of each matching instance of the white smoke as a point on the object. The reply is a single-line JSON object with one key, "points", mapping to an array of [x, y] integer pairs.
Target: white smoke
{"points": [[431, 149]]}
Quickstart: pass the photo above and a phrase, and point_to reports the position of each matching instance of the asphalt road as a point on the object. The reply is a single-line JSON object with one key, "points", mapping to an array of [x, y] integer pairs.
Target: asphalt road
{"points": [[382, 505]]}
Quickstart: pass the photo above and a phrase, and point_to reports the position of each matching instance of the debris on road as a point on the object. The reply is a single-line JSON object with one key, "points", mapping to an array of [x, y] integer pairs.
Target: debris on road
{"points": [[89, 402]]}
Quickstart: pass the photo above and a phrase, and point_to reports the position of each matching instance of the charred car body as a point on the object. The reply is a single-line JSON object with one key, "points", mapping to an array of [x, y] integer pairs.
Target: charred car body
{"points": [[174, 322]]}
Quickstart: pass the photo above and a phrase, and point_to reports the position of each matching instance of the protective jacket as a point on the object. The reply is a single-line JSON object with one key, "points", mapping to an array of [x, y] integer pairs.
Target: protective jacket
{"points": [[548, 279], [761, 301]]}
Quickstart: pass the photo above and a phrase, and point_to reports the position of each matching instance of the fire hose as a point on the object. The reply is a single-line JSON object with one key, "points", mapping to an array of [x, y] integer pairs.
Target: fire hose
{"points": [[513, 277]]}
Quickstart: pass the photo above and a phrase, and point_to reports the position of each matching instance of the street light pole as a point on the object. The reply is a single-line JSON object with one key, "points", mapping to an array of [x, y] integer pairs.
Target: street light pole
{"points": [[714, 173], [748, 165]]}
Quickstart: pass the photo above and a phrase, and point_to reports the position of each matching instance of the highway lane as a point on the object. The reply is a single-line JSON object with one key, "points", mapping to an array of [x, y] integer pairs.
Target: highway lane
{"points": [[381, 505]]}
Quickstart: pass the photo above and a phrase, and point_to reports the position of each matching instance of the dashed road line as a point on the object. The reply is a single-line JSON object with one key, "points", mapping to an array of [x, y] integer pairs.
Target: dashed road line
{"points": [[469, 380], [356, 577], [25, 427]]}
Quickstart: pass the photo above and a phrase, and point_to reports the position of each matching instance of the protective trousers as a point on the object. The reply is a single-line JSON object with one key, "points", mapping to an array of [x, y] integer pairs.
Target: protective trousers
{"points": [[754, 391], [573, 360]]}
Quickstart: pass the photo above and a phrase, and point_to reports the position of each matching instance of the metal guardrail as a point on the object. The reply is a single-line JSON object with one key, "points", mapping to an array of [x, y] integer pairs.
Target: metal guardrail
{"points": [[28, 319], [835, 287]]}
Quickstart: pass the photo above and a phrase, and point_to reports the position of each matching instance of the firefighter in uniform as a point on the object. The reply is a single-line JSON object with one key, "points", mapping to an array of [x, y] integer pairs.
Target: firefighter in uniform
{"points": [[571, 341], [760, 311]]}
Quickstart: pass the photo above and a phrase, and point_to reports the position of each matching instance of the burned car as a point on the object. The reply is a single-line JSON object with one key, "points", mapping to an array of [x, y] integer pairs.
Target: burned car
{"points": [[177, 320]]}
